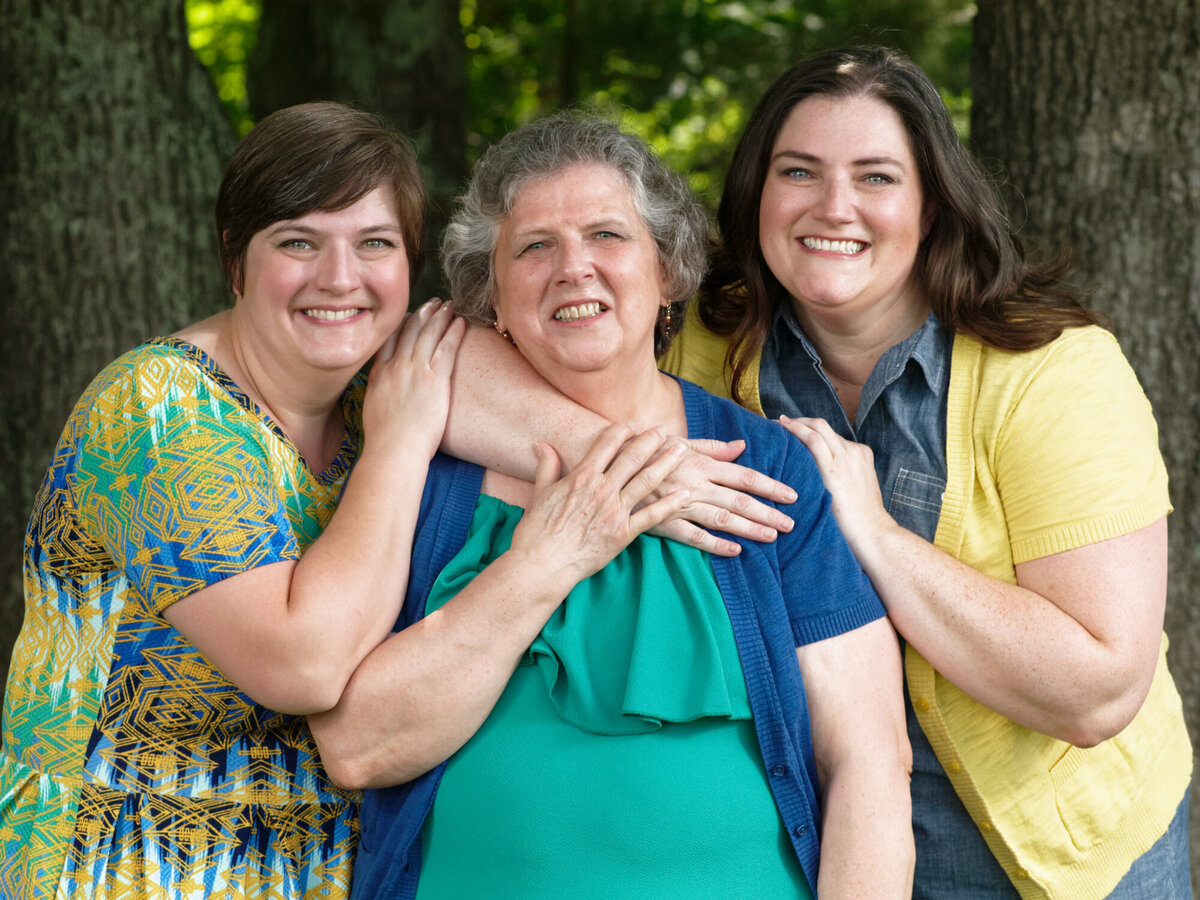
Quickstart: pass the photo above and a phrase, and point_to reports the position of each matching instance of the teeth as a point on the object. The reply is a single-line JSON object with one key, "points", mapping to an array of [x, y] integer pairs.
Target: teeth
{"points": [[582, 311], [813, 243], [330, 314]]}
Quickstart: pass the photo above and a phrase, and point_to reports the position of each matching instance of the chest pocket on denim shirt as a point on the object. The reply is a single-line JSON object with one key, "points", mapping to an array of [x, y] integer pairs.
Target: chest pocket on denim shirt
{"points": [[916, 502]]}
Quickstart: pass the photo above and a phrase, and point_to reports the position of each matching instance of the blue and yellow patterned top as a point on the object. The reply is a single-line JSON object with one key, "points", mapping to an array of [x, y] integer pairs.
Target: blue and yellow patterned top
{"points": [[131, 767]]}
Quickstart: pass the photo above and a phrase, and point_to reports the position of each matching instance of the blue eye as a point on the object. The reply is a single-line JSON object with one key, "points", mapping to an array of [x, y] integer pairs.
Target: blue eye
{"points": [[796, 172], [880, 178], [295, 244]]}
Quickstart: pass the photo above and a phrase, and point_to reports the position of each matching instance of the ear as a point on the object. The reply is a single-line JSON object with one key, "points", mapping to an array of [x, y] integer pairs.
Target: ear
{"points": [[927, 216], [238, 275], [499, 320]]}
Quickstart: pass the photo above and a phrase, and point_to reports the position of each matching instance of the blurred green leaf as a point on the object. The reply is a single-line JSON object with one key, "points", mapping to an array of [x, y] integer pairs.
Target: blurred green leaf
{"points": [[223, 34]]}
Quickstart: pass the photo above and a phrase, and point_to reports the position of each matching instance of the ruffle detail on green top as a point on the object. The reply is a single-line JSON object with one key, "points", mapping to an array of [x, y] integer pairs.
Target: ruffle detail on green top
{"points": [[644, 641]]}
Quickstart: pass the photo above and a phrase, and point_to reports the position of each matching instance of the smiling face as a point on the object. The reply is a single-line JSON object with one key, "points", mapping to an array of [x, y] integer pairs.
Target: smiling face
{"points": [[842, 213], [323, 291], [578, 280]]}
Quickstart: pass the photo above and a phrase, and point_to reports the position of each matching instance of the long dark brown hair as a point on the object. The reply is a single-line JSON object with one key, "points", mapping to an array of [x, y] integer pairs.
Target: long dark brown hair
{"points": [[971, 267]]}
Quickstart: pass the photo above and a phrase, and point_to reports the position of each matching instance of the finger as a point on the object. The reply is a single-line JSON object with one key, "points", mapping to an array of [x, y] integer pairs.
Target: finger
{"points": [[751, 481], [657, 512], [649, 478], [388, 348], [642, 457], [816, 435], [430, 336], [606, 446], [685, 532], [549, 465], [448, 347], [413, 325], [725, 451], [720, 516]]}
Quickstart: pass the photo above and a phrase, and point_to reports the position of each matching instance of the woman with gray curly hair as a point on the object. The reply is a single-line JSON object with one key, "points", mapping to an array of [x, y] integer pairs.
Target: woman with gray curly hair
{"points": [[662, 199], [627, 715]]}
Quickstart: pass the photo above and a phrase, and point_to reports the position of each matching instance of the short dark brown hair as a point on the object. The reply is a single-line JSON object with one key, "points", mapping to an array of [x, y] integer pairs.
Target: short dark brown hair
{"points": [[315, 157]]}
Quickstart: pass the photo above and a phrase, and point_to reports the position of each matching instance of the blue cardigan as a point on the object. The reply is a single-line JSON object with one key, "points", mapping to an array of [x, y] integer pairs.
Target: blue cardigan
{"points": [[827, 594]]}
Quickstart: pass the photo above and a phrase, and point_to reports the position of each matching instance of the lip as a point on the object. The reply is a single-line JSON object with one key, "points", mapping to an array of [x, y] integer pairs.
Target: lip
{"points": [[574, 312], [829, 246], [330, 315]]}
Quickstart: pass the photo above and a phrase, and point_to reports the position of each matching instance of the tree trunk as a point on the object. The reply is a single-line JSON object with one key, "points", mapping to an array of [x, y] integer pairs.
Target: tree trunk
{"points": [[401, 59], [112, 141], [1091, 108]]}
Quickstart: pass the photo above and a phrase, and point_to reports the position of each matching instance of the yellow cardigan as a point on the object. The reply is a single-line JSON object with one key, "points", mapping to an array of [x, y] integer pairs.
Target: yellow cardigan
{"points": [[1046, 450]]}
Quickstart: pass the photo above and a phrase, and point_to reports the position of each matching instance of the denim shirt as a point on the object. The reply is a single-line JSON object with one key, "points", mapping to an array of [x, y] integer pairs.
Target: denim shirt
{"points": [[901, 413]]}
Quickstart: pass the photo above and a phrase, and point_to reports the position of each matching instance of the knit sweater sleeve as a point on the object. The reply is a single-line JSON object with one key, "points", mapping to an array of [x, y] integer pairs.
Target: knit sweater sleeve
{"points": [[1075, 453]]}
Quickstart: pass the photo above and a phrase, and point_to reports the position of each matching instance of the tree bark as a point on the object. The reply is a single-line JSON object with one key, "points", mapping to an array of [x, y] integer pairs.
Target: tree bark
{"points": [[1091, 109], [112, 141], [401, 59]]}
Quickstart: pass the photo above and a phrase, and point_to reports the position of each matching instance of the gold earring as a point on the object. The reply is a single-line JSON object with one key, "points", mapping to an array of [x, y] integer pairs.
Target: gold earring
{"points": [[503, 332]]}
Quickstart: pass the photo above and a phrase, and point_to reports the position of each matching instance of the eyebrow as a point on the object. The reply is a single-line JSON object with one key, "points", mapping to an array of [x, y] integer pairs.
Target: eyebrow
{"points": [[307, 229], [865, 161], [603, 223]]}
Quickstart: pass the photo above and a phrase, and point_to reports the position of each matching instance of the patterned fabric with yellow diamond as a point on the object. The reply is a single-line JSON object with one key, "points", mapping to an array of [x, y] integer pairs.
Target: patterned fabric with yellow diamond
{"points": [[131, 767]]}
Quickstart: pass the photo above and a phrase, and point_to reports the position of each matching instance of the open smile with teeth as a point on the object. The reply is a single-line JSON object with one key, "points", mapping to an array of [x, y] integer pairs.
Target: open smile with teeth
{"points": [[331, 315], [581, 311], [848, 247]]}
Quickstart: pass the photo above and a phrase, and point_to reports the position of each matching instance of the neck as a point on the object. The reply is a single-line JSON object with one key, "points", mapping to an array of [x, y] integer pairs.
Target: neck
{"points": [[850, 346], [305, 405], [644, 399]]}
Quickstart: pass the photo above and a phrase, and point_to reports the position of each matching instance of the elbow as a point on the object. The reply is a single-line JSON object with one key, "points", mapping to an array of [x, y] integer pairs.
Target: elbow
{"points": [[341, 764], [346, 772], [1099, 725], [1105, 717], [303, 692]]}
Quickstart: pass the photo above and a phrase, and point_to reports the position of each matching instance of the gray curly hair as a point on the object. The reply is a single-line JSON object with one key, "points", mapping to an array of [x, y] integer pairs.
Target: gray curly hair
{"points": [[544, 148]]}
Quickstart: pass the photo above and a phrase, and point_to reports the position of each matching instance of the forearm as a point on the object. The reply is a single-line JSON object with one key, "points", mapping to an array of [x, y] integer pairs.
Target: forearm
{"points": [[421, 694], [500, 406], [348, 587], [854, 688], [1009, 647], [866, 833]]}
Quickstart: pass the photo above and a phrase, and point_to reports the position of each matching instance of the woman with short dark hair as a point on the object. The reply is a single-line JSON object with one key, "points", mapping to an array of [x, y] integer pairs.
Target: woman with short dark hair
{"points": [[190, 591]]}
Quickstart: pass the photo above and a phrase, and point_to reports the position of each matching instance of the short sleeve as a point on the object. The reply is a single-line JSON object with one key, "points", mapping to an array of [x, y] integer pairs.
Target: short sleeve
{"points": [[171, 477], [825, 590], [1077, 460]]}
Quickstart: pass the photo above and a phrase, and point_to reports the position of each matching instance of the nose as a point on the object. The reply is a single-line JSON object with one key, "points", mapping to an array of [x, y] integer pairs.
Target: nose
{"points": [[337, 270], [574, 261], [836, 202]]}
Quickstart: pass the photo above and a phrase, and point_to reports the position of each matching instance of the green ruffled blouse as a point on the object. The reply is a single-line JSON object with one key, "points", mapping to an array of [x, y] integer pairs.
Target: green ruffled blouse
{"points": [[621, 759]]}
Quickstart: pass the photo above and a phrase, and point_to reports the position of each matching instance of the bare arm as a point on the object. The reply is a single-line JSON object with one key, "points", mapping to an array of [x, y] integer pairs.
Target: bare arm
{"points": [[290, 634], [501, 406], [1069, 650], [855, 699], [422, 693]]}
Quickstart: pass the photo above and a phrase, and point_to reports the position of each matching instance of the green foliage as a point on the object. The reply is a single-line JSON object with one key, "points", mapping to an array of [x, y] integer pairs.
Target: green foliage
{"points": [[682, 73], [223, 34]]}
